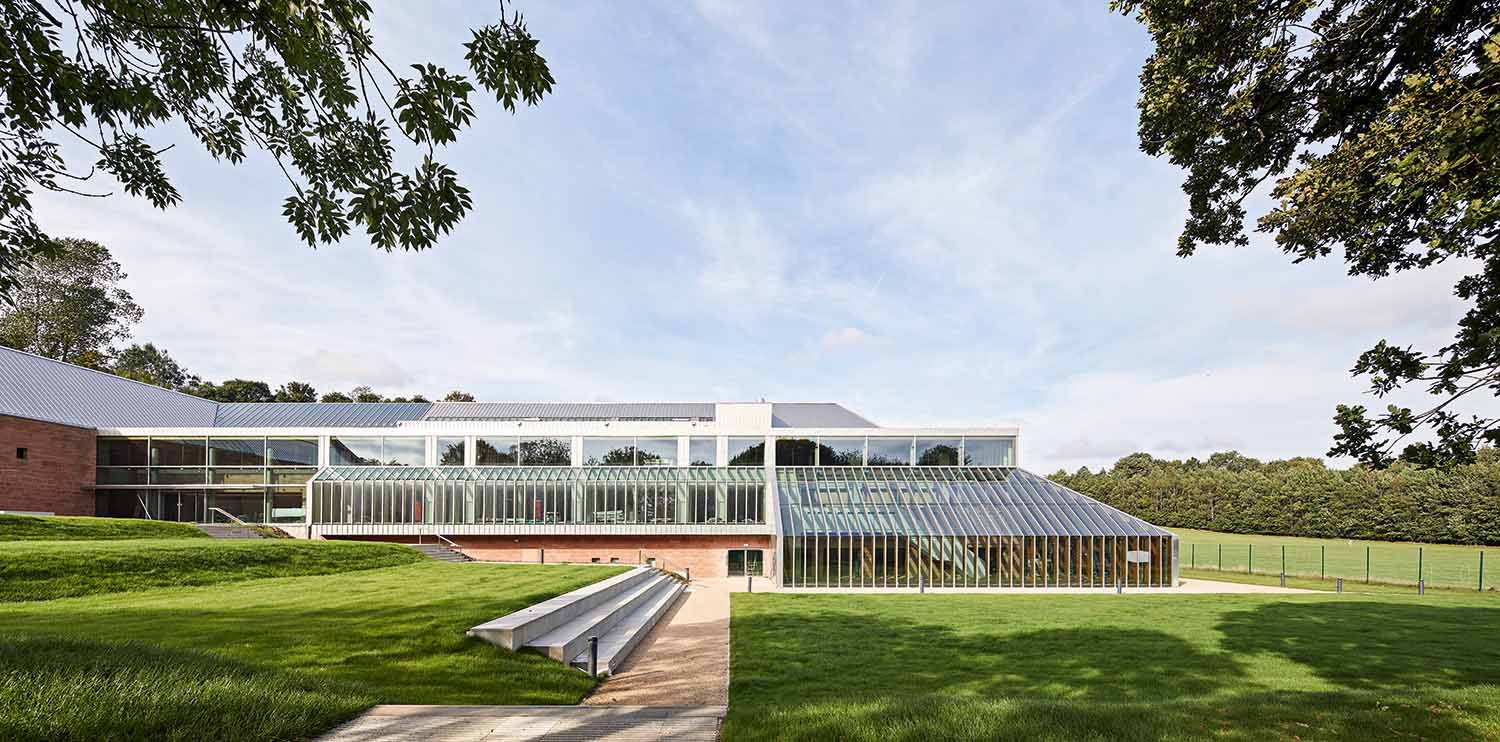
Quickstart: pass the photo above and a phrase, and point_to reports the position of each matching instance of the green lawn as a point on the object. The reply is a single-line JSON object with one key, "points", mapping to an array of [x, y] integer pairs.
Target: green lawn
{"points": [[1105, 667], [43, 570], [1444, 565], [273, 659], [67, 528]]}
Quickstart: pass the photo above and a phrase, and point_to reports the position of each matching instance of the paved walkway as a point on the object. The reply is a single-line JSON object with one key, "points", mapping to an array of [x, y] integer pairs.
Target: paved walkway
{"points": [[685, 658], [530, 724], [1188, 586]]}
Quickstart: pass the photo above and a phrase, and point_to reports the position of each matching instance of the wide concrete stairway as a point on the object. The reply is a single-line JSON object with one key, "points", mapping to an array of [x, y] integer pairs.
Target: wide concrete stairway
{"points": [[442, 552], [620, 611]]}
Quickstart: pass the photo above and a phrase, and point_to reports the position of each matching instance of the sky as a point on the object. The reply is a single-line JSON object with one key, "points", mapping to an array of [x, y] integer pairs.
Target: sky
{"points": [[933, 213]]}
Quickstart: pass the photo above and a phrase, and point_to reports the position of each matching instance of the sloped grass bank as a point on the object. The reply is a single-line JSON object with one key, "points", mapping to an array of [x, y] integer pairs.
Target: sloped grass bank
{"points": [[70, 528], [274, 659], [45, 570], [1104, 667]]}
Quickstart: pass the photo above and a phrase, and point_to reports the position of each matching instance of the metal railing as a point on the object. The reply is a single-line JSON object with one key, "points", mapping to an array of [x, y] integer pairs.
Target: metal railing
{"points": [[1354, 562], [231, 516]]}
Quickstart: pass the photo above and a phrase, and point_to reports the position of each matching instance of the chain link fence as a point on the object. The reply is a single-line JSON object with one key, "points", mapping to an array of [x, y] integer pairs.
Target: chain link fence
{"points": [[1396, 564]]}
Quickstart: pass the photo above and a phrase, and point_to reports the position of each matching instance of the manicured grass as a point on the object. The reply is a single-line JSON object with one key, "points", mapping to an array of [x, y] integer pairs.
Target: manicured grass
{"points": [[273, 659], [43, 570], [68, 528], [1105, 667], [1394, 563]]}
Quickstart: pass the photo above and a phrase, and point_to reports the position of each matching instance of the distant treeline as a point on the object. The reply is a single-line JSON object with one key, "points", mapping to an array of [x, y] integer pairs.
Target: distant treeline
{"points": [[1302, 497]]}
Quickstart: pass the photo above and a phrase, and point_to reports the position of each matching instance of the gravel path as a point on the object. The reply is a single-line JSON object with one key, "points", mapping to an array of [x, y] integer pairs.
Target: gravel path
{"points": [[684, 661]]}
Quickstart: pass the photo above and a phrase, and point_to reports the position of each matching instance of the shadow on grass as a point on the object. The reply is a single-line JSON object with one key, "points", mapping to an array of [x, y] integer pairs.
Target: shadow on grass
{"points": [[66, 689], [809, 671], [1368, 645]]}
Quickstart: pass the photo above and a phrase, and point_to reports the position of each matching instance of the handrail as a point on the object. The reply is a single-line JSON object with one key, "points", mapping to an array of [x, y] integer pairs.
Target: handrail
{"points": [[447, 541], [227, 514]]}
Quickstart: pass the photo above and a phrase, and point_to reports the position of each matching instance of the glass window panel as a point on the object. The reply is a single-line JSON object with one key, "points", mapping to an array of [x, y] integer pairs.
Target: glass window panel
{"points": [[937, 452], [237, 451], [702, 451], [747, 452], [178, 476], [656, 451], [248, 505], [450, 451], [292, 476], [354, 451], [546, 452], [988, 451], [795, 451], [890, 452], [292, 451], [404, 451], [121, 452], [235, 476], [841, 452], [287, 505], [178, 452], [496, 451], [122, 475], [609, 452]]}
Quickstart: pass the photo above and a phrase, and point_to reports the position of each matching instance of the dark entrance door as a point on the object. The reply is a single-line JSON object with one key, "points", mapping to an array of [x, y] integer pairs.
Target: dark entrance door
{"points": [[746, 561]]}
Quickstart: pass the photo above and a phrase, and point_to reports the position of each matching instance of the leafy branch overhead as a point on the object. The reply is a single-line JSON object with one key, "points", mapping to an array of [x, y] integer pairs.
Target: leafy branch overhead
{"points": [[1375, 125], [301, 81]]}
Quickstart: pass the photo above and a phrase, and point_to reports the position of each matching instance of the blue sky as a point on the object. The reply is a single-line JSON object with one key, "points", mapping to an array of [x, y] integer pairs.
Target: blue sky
{"points": [[933, 213]]}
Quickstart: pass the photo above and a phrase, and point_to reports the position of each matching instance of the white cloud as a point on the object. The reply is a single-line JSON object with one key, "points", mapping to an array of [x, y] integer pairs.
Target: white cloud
{"points": [[844, 337]]}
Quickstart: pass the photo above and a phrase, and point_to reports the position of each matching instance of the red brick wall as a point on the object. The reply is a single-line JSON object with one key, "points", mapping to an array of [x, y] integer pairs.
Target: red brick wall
{"points": [[706, 556], [56, 474]]}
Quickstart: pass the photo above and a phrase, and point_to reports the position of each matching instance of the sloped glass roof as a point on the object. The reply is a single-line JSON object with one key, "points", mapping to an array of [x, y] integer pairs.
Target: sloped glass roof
{"points": [[942, 501]]}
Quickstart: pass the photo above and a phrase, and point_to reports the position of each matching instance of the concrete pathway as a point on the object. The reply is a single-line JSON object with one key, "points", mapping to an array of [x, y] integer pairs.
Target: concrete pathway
{"points": [[530, 724], [1187, 587], [684, 661]]}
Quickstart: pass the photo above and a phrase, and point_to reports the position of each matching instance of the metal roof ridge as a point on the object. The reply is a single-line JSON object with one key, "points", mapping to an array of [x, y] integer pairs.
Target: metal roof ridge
{"points": [[108, 374]]}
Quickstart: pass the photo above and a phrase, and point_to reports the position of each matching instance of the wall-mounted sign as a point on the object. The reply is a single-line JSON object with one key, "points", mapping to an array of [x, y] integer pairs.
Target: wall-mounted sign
{"points": [[1138, 557]]}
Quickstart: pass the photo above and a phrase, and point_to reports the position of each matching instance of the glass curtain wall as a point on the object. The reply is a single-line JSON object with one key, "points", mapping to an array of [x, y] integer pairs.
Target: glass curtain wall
{"points": [[539, 496], [257, 479], [958, 527]]}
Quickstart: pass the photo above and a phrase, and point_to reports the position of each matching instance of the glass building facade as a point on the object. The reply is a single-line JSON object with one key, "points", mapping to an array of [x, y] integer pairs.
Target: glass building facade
{"points": [[260, 479], [604, 495], [949, 526]]}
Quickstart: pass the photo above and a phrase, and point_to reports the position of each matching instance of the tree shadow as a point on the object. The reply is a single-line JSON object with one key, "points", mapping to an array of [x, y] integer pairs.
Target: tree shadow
{"points": [[1374, 645]]}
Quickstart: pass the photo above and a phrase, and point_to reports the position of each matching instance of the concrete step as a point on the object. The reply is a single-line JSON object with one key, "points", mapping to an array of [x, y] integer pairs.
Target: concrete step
{"points": [[565, 642], [227, 530], [442, 552], [616, 644], [515, 630]]}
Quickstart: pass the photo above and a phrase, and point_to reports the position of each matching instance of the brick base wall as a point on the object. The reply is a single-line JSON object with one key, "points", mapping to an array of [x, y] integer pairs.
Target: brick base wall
{"points": [[706, 556], [56, 474]]}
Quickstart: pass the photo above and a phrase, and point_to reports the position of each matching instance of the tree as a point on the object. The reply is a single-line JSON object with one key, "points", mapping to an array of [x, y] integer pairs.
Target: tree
{"points": [[152, 365], [296, 391], [301, 81], [1375, 123], [365, 394], [335, 397], [68, 304], [458, 396], [233, 390]]}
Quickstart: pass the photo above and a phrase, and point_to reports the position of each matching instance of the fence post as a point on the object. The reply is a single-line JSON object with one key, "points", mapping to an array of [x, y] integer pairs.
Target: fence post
{"points": [[1250, 561], [593, 656], [1419, 569], [1193, 555], [1367, 565], [1341, 584], [1481, 571], [1283, 565], [1221, 557]]}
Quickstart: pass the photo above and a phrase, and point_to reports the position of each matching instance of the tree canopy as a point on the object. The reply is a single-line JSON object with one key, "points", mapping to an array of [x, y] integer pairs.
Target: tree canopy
{"points": [[1374, 124], [302, 82], [152, 365], [69, 305]]}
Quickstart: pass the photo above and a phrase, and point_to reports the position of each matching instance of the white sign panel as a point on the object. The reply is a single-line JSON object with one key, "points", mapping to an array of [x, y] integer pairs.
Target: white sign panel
{"points": [[1138, 557]]}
